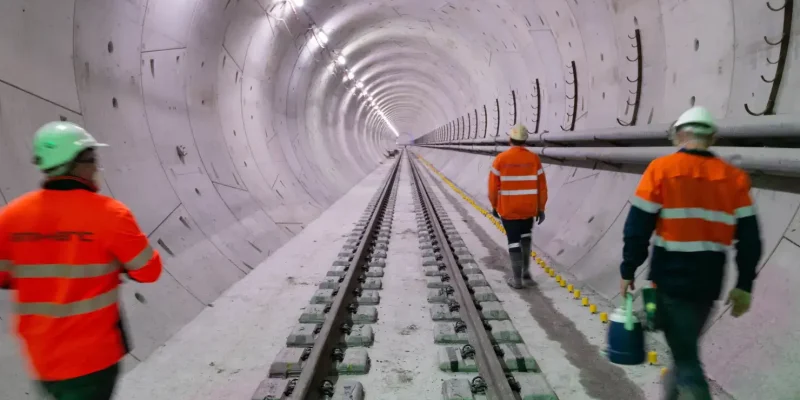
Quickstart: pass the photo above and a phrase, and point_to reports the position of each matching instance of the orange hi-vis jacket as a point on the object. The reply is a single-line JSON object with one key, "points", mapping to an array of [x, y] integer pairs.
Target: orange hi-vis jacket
{"points": [[517, 184], [61, 251], [698, 205]]}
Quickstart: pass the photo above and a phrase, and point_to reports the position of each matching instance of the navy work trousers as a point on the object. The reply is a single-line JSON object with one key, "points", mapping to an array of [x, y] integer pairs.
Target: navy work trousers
{"points": [[516, 230]]}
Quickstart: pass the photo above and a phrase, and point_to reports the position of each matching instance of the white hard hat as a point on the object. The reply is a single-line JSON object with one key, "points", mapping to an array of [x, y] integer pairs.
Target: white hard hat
{"points": [[57, 143], [519, 132], [697, 120]]}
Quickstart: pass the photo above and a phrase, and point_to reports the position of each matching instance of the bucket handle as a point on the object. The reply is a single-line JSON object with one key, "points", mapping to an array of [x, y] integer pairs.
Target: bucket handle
{"points": [[629, 312]]}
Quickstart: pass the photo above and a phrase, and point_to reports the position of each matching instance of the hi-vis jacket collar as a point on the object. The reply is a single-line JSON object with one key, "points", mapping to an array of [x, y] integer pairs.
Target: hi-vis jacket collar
{"points": [[701, 153], [68, 183]]}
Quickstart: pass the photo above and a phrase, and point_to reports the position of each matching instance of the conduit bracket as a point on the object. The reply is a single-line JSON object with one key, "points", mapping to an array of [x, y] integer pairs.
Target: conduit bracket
{"points": [[638, 92], [788, 7], [513, 106], [572, 117], [538, 108]]}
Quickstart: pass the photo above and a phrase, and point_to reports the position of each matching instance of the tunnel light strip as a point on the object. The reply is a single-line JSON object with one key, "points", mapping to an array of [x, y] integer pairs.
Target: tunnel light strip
{"points": [[339, 58]]}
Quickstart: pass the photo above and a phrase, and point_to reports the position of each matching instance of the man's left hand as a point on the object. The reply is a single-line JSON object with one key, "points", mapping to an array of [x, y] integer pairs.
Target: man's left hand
{"points": [[624, 285], [495, 214]]}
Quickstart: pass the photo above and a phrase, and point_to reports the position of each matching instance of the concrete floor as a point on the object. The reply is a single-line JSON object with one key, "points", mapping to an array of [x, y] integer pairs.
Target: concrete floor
{"points": [[232, 135]]}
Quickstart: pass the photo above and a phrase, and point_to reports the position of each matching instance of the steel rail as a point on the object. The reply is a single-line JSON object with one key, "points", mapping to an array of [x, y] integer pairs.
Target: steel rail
{"points": [[319, 365], [489, 366]]}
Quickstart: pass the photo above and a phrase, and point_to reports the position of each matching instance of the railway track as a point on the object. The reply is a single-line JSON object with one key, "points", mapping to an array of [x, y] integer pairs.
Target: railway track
{"points": [[478, 352], [334, 332], [476, 332]]}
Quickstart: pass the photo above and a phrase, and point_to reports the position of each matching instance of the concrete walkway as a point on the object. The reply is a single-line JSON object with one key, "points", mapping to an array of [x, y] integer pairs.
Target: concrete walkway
{"points": [[226, 351]]}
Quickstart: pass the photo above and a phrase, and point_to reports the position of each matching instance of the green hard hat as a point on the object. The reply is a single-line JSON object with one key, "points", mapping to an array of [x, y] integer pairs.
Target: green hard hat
{"points": [[57, 143], [698, 120]]}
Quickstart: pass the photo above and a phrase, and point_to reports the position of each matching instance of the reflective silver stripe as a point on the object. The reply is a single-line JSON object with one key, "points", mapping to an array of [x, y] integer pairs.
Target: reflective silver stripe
{"points": [[518, 192], [495, 171], [513, 245], [525, 235], [747, 211], [541, 171], [690, 247], [5, 266], [698, 213], [64, 270], [69, 309], [518, 178], [140, 260], [645, 205]]}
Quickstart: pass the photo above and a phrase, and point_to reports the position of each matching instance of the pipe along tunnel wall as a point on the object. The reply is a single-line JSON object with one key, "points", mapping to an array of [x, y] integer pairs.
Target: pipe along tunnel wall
{"points": [[230, 129]]}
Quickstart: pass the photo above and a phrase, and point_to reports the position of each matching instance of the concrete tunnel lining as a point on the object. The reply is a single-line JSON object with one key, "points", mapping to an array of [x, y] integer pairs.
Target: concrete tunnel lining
{"points": [[167, 83]]}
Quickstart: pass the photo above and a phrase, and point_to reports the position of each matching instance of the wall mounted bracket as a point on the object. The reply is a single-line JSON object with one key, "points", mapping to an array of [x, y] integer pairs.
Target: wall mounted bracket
{"points": [[788, 7], [572, 117], [638, 93]]}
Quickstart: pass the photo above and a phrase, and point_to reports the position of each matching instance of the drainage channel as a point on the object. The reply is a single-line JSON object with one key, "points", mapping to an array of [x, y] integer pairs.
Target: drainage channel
{"points": [[473, 333], [327, 349]]}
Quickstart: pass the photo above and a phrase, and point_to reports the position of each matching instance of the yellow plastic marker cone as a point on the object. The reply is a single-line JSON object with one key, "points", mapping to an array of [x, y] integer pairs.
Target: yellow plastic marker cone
{"points": [[585, 301], [563, 283], [576, 294], [652, 358], [552, 272], [664, 371], [592, 308], [533, 254], [570, 288], [558, 278], [604, 317]]}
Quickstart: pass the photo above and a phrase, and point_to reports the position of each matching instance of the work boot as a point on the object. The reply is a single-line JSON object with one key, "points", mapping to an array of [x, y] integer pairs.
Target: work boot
{"points": [[515, 281], [526, 262]]}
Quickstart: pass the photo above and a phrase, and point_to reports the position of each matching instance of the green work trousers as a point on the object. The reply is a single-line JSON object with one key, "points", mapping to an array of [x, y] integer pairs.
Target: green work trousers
{"points": [[95, 386], [682, 322]]}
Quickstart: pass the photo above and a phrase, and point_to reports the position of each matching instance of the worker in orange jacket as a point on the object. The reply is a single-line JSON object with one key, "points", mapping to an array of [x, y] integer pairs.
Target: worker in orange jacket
{"points": [[62, 249], [698, 205], [518, 194]]}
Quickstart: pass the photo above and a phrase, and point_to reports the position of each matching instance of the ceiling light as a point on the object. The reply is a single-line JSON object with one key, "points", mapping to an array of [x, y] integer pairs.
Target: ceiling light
{"points": [[350, 75], [359, 84], [345, 78], [323, 38], [341, 60]]}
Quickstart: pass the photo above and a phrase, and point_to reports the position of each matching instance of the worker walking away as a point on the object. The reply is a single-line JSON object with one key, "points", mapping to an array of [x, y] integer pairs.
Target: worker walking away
{"points": [[698, 206], [62, 249], [518, 193]]}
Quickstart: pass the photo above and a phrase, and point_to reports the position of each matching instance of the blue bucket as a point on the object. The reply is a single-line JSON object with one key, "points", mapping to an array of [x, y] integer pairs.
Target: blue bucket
{"points": [[625, 336]]}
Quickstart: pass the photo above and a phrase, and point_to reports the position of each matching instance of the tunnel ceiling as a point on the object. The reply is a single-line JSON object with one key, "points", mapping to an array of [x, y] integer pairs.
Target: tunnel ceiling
{"points": [[421, 61]]}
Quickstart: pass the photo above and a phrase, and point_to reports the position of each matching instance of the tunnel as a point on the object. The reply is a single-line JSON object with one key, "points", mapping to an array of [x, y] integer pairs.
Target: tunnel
{"points": [[247, 136]]}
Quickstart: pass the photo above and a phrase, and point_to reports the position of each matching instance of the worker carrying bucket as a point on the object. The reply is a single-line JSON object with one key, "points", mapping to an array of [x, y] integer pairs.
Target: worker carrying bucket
{"points": [[518, 193], [697, 204]]}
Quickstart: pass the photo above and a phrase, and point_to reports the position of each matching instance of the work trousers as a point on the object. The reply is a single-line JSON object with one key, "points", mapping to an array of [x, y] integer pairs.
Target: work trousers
{"points": [[682, 322], [518, 230], [96, 386]]}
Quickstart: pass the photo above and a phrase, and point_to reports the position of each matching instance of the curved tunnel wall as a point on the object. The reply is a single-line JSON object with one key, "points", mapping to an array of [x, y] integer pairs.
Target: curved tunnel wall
{"points": [[689, 57], [229, 132], [226, 140]]}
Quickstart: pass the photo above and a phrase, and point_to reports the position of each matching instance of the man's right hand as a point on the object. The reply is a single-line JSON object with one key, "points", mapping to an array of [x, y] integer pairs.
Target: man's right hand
{"points": [[740, 300], [540, 218]]}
